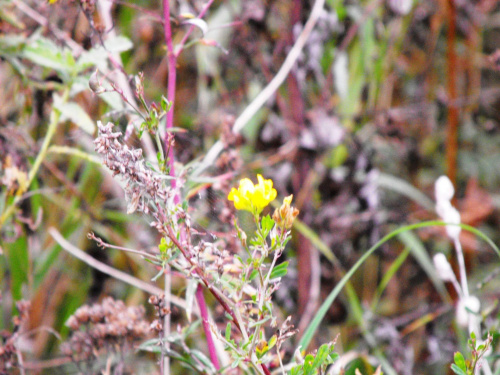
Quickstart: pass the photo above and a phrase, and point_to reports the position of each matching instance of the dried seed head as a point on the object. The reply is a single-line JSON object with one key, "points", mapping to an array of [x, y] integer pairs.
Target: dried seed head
{"points": [[285, 215]]}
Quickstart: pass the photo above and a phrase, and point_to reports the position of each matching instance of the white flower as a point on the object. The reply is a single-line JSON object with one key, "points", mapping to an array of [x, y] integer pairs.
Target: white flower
{"points": [[449, 214], [341, 74], [444, 189], [465, 307], [401, 7], [443, 268]]}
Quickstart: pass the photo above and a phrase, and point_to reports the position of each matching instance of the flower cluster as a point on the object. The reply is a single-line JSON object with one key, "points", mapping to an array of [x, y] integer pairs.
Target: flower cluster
{"points": [[161, 310], [110, 324], [253, 198], [8, 349], [145, 189]]}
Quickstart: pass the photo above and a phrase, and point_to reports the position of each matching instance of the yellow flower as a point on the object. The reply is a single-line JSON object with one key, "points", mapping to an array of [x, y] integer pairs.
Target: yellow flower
{"points": [[252, 197]]}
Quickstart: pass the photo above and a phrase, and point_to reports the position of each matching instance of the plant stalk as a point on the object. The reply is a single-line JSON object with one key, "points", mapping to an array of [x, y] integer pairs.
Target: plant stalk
{"points": [[55, 115]]}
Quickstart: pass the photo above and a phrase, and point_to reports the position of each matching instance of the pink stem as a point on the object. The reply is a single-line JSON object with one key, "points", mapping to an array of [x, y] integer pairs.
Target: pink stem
{"points": [[172, 77], [206, 326]]}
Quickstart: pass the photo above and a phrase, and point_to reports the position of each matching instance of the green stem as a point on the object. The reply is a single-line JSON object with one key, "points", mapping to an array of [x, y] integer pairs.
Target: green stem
{"points": [[55, 115]]}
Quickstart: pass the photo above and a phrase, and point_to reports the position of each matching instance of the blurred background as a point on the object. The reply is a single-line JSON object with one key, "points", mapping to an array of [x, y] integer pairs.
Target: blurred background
{"points": [[386, 96]]}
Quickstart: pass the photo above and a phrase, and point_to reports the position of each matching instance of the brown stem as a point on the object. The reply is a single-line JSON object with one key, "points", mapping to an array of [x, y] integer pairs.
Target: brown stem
{"points": [[452, 126]]}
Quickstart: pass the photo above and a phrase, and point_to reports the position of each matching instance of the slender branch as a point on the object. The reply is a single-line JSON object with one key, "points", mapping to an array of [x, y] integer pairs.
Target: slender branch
{"points": [[200, 274], [119, 275], [271, 87], [172, 77], [181, 45], [55, 115], [265, 369]]}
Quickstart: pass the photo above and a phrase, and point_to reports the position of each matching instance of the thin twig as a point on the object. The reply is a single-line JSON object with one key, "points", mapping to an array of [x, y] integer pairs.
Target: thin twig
{"points": [[271, 87], [102, 244], [181, 45], [104, 268], [55, 115], [41, 20], [172, 76]]}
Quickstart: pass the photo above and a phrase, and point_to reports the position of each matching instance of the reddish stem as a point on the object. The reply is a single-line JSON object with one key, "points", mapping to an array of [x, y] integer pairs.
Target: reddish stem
{"points": [[206, 326], [265, 369], [172, 78]]}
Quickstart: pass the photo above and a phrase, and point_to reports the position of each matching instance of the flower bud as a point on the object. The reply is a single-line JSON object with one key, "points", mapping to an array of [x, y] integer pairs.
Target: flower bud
{"points": [[444, 189], [94, 83], [285, 215]]}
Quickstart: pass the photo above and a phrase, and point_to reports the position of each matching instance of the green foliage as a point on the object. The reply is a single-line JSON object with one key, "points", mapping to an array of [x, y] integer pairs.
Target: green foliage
{"points": [[316, 363], [464, 366]]}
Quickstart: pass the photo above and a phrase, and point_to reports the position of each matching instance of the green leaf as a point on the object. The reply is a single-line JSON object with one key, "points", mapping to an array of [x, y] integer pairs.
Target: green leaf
{"points": [[460, 361], [267, 224], [73, 112], [118, 44], [308, 364], [321, 355], [152, 345], [313, 326], [457, 370], [279, 271], [203, 359], [46, 53], [272, 341], [228, 331], [165, 104], [17, 257], [253, 275]]}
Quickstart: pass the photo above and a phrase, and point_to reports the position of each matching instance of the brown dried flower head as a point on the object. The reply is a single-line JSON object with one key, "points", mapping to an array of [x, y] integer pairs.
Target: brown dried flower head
{"points": [[286, 214]]}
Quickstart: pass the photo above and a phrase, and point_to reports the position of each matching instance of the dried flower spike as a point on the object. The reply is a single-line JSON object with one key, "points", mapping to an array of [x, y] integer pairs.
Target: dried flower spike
{"points": [[286, 214]]}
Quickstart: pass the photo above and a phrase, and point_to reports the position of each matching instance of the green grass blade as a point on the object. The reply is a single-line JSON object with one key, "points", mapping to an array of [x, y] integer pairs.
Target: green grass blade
{"points": [[394, 267], [420, 254], [313, 326]]}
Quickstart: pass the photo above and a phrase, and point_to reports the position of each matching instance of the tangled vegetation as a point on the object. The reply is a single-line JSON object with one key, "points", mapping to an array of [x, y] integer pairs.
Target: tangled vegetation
{"points": [[249, 187]]}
